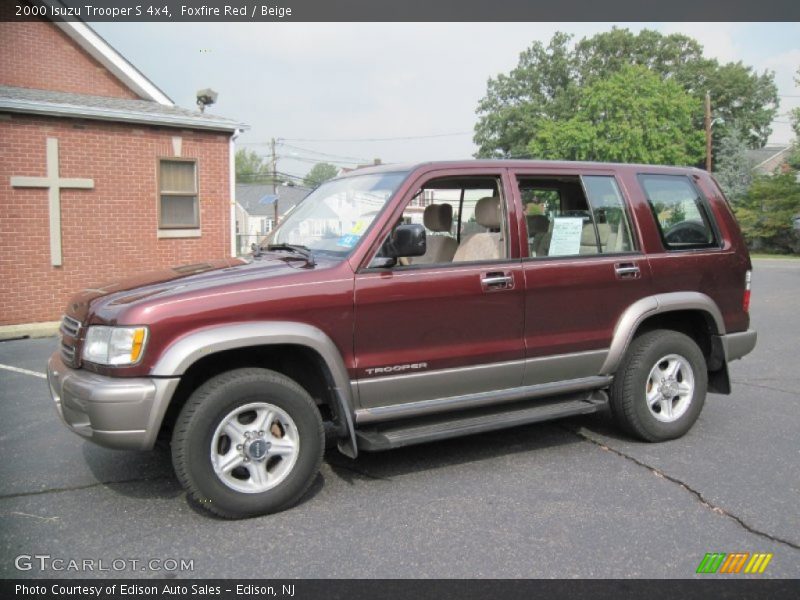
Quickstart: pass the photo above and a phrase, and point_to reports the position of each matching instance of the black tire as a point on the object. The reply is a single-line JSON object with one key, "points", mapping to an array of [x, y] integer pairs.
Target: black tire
{"points": [[629, 404], [205, 410]]}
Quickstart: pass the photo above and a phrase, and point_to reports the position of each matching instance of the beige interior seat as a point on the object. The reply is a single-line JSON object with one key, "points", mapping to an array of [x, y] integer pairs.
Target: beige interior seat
{"points": [[438, 248], [622, 241], [589, 240], [488, 245]]}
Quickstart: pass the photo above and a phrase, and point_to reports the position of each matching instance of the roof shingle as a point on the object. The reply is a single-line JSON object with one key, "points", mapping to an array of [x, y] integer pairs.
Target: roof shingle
{"points": [[47, 102], [258, 200]]}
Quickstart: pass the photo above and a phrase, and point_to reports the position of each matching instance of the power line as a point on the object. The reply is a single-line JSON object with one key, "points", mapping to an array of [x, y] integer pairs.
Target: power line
{"points": [[385, 139], [292, 175], [279, 142], [320, 156], [266, 177], [355, 158], [315, 160]]}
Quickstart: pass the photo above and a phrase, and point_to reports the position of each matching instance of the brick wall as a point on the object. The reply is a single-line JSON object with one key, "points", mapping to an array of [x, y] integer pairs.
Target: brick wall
{"points": [[109, 231], [38, 55]]}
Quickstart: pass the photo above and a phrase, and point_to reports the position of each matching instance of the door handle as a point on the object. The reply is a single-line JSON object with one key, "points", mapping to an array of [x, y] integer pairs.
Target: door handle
{"points": [[627, 271], [497, 281]]}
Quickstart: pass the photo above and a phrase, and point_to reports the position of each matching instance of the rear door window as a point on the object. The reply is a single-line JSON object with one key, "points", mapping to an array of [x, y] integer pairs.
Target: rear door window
{"points": [[568, 215], [611, 219]]}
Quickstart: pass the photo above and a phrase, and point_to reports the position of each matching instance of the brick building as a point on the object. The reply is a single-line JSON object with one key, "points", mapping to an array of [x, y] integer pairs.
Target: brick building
{"points": [[101, 175]]}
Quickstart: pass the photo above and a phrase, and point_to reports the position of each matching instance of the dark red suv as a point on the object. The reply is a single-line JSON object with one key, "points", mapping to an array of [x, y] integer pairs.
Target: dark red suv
{"points": [[407, 304]]}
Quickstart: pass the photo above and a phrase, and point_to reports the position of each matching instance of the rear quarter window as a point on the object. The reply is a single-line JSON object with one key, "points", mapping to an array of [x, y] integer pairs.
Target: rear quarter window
{"points": [[680, 211]]}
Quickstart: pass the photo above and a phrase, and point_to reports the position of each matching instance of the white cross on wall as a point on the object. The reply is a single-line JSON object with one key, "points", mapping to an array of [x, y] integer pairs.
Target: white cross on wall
{"points": [[54, 185]]}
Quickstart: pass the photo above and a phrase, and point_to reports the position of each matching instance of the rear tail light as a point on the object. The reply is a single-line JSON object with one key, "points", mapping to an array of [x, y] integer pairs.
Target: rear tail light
{"points": [[746, 300]]}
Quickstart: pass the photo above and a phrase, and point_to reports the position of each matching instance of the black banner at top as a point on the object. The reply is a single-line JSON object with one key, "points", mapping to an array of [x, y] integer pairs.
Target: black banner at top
{"points": [[400, 10]]}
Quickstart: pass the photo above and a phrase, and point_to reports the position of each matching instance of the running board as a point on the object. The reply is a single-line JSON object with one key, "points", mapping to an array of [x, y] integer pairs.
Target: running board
{"points": [[399, 435]]}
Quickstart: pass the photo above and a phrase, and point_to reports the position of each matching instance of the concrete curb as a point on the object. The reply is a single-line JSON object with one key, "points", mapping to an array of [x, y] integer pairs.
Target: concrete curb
{"points": [[29, 330]]}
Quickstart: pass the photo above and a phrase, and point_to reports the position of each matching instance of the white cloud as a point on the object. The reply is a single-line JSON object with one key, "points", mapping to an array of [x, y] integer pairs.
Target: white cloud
{"points": [[352, 80], [785, 66], [720, 40]]}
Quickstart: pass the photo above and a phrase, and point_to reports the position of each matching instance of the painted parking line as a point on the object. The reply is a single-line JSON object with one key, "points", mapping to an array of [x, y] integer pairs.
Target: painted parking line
{"points": [[24, 371]]}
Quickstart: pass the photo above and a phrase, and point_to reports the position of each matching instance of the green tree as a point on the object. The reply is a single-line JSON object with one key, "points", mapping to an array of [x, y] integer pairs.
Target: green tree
{"points": [[609, 51], [767, 211], [740, 96], [796, 114], [319, 174], [548, 79], [631, 116], [734, 169], [542, 86], [794, 157], [252, 168]]}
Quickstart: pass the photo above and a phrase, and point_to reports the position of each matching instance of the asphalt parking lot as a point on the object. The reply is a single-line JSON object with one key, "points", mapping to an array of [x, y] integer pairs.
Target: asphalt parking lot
{"points": [[567, 499]]}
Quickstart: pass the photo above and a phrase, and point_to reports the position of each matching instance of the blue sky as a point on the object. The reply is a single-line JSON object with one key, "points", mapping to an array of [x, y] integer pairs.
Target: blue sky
{"points": [[340, 81]]}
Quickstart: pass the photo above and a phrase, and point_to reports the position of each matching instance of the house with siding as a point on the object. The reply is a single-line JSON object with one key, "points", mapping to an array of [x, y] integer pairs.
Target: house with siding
{"points": [[102, 175], [770, 158], [256, 205]]}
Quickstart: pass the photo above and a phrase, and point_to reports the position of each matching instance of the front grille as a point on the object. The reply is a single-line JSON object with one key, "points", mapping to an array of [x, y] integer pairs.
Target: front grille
{"points": [[70, 326], [70, 329], [67, 353]]}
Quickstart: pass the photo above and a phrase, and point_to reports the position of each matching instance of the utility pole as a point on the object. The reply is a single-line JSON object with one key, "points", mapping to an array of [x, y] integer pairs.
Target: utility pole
{"points": [[708, 132], [274, 161]]}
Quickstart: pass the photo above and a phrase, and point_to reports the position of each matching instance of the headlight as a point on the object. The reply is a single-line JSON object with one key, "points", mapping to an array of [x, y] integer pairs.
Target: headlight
{"points": [[114, 345]]}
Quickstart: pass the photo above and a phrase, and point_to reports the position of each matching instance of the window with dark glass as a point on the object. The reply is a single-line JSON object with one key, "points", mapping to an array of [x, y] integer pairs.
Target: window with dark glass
{"points": [[680, 212]]}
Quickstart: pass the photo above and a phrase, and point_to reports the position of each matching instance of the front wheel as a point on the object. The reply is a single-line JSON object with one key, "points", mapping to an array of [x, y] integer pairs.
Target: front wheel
{"points": [[660, 387], [248, 442]]}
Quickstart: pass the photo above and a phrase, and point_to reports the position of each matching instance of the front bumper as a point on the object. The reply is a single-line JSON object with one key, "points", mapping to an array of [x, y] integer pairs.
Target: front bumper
{"points": [[115, 412]]}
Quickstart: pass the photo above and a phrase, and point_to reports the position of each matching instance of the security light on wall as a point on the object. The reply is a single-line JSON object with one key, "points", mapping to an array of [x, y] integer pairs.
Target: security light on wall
{"points": [[205, 98]]}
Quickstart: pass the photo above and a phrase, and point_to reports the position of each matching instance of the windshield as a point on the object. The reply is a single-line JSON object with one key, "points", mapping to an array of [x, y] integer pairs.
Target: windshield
{"points": [[332, 218]]}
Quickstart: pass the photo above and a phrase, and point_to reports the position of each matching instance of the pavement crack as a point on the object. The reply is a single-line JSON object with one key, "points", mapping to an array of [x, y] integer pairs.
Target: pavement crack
{"points": [[77, 488], [337, 465], [696, 493], [763, 387]]}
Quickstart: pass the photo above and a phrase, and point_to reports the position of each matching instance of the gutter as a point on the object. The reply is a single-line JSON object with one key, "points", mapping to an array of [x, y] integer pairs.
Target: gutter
{"points": [[119, 116], [232, 190]]}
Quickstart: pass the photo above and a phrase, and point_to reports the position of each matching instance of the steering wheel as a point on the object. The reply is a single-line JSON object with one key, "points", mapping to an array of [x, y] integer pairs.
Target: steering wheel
{"points": [[687, 232]]}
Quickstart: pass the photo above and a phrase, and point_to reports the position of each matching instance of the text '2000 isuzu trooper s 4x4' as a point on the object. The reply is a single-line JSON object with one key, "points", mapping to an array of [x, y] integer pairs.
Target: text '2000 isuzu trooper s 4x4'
{"points": [[408, 304]]}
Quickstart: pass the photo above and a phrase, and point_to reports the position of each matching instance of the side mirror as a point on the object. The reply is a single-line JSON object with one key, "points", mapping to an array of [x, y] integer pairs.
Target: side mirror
{"points": [[405, 240]]}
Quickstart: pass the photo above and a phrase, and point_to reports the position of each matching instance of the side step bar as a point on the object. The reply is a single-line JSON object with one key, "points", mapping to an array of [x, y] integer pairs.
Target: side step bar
{"points": [[399, 435]]}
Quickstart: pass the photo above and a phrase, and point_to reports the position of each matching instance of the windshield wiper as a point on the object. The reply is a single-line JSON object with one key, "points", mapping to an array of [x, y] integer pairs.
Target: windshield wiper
{"points": [[296, 248]]}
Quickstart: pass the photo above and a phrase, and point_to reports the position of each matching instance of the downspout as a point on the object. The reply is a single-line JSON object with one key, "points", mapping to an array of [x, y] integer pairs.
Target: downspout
{"points": [[232, 177]]}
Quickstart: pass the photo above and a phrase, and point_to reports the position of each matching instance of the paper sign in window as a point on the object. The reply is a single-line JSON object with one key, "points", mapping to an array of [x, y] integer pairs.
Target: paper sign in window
{"points": [[566, 239]]}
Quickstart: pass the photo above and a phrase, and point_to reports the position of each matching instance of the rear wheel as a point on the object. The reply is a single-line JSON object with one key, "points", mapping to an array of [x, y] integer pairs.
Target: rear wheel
{"points": [[247, 442], [660, 387]]}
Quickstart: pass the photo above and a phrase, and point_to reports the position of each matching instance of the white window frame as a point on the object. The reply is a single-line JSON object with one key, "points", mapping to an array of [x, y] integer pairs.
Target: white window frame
{"points": [[179, 230]]}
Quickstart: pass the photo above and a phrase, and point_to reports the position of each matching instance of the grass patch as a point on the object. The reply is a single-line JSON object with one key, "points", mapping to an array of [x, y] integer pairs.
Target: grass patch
{"points": [[775, 256]]}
